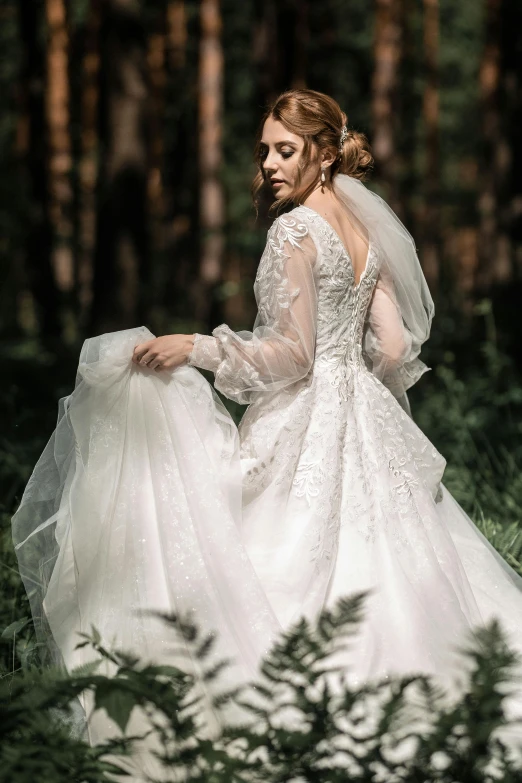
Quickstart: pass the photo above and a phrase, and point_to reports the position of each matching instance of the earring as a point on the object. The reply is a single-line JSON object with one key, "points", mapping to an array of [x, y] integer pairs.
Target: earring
{"points": [[323, 175]]}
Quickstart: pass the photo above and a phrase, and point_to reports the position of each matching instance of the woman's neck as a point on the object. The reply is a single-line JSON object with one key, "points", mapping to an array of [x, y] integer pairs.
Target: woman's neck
{"points": [[322, 200]]}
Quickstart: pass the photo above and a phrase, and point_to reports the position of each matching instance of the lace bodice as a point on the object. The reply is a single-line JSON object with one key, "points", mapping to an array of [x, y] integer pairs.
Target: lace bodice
{"points": [[311, 314], [342, 304]]}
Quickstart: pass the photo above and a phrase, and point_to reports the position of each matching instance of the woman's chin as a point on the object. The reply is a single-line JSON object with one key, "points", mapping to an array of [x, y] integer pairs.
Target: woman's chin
{"points": [[281, 192]]}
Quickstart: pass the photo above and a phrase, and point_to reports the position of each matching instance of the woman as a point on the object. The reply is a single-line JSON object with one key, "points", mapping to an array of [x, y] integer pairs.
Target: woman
{"points": [[341, 490], [331, 489]]}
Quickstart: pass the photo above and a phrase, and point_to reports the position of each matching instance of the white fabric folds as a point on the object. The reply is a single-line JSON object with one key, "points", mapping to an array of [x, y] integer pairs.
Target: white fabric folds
{"points": [[134, 506]]}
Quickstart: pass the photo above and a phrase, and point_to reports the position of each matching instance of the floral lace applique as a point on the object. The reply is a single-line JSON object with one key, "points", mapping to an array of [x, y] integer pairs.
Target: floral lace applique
{"points": [[346, 449]]}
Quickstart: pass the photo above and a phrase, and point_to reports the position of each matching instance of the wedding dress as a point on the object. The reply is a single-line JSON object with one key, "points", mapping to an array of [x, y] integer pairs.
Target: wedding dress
{"points": [[149, 497], [341, 490]]}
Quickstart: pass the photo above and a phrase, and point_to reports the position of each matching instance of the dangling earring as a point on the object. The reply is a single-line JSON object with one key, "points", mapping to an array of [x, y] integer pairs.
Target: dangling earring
{"points": [[323, 175]]}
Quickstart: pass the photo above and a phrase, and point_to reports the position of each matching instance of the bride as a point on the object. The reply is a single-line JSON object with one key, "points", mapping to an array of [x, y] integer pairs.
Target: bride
{"points": [[149, 497]]}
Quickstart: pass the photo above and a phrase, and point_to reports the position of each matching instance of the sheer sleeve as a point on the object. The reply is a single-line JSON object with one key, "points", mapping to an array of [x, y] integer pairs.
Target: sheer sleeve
{"points": [[388, 346], [280, 349]]}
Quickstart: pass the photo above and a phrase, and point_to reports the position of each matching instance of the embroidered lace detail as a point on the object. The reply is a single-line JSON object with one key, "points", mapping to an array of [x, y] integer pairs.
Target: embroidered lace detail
{"points": [[271, 280], [205, 352], [279, 352]]}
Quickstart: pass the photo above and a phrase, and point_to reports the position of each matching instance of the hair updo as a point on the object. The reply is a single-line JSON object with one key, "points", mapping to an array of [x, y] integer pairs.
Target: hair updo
{"points": [[319, 120]]}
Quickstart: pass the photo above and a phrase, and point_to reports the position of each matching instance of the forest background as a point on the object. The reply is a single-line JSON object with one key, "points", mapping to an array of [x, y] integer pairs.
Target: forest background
{"points": [[126, 138]]}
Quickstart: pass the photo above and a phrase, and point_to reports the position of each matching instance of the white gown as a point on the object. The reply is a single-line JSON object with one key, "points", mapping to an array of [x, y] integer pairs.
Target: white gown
{"points": [[148, 497], [341, 490]]}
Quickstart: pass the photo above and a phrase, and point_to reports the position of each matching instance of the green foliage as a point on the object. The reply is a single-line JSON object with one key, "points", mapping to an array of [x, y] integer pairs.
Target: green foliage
{"points": [[33, 379], [470, 407], [38, 743], [318, 727], [303, 721]]}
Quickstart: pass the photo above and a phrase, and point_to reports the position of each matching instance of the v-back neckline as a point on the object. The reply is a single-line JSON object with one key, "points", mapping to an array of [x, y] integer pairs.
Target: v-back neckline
{"points": [[345, 249]]}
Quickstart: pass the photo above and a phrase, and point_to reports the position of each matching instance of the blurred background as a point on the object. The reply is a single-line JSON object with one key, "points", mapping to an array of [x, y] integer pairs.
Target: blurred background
{"points": [[127, 132], [126, 139]]}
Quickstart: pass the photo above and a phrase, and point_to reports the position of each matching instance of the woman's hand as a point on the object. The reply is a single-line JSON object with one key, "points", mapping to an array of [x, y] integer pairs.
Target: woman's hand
{"points": [[164, 353]]}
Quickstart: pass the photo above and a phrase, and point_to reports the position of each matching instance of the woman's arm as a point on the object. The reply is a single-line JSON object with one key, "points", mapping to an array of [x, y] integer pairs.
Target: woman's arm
{"points": [[387, 341], [388, 345], [280, 349]]}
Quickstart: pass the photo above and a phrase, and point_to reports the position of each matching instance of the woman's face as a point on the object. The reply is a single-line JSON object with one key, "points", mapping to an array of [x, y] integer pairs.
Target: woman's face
{"points": [[280, 154]]}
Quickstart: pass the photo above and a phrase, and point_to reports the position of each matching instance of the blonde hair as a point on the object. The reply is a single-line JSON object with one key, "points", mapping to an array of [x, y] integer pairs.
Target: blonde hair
{"points": [[319, 120]]}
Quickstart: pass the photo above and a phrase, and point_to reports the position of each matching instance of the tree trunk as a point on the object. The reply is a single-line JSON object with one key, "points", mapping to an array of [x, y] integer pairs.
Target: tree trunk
{"points": [[60, 157], [281, 46], [387, 56], [301, 38], [121, 249], [212, 207], [32, 148], [512, 66], [430, 232], [88, 168], [494, 242], [266, 53], [178, 278], [156, 64], [176, 34], [408, 110]]}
